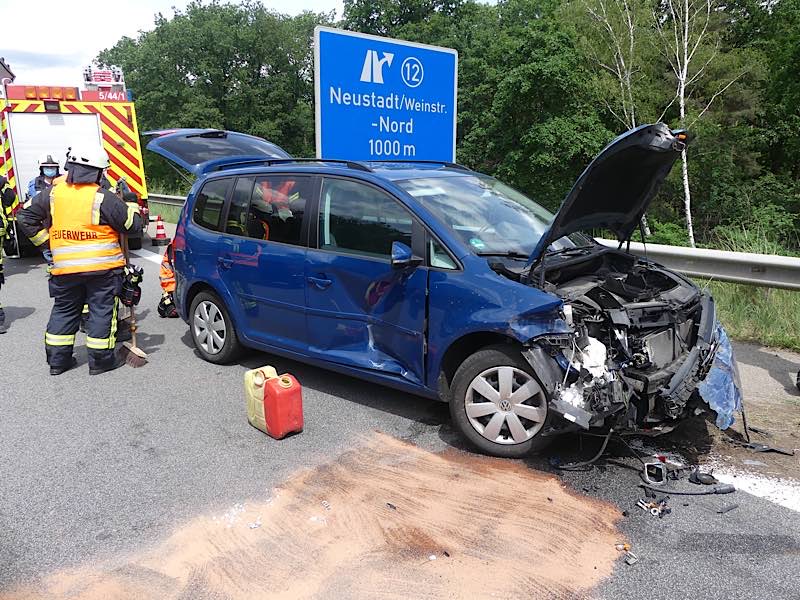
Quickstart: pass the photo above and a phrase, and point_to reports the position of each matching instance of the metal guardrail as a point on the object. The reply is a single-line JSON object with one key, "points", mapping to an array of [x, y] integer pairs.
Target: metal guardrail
{"points": [[765, 270], [166, 199]]}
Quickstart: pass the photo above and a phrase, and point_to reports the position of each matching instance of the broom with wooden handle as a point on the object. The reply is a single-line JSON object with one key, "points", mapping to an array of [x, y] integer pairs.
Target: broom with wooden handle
{"points": [[134, 356]]}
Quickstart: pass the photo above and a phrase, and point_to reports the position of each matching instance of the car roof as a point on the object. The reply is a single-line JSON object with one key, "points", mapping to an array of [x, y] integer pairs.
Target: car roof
{"points": [[391, 171]]}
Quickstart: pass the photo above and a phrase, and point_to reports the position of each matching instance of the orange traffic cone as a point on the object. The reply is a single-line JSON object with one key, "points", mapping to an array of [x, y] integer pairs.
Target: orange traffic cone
{"points": [[161, 238]]}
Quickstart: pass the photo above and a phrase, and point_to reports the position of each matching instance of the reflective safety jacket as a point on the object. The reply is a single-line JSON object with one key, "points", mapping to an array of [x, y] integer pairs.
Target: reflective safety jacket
{"points": [[167, 273], [80, 223], [77, 240]]}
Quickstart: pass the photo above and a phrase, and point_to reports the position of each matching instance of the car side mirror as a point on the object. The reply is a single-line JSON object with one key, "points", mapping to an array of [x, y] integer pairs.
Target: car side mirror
{"points": [[403, 257]]}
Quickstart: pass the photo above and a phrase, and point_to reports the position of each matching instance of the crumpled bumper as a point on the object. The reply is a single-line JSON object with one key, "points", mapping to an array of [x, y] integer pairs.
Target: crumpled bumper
{"points": [[722, 387]]}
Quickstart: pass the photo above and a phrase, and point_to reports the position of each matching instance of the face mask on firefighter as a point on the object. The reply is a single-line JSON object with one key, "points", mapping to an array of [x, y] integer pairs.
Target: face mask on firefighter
{"points": [[50, 171]]}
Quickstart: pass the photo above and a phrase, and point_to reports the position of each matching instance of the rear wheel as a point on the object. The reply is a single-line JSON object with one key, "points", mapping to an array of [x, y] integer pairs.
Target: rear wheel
{"points": [[212, 329], [497, 403]]}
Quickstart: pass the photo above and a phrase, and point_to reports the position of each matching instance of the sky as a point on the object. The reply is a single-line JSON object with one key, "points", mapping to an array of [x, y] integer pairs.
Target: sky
{"points": [[49, 42]]}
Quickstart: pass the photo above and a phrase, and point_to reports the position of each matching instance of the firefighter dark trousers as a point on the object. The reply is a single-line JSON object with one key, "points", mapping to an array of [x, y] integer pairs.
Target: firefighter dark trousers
{"points": [[70, 293]]}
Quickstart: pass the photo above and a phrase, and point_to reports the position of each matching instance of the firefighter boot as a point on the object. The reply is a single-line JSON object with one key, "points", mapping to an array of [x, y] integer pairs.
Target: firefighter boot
{"points": [[65, 368]]}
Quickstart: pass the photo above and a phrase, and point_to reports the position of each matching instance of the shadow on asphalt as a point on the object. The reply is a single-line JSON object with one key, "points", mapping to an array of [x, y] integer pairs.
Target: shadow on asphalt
{"points": [[780, 369], [14, 314], [150, 343], [21, 266], [415, 408], [692, 438]]}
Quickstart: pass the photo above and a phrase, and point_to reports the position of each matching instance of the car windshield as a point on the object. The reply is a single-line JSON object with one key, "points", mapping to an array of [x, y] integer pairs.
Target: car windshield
{"points": [[491, 217]]}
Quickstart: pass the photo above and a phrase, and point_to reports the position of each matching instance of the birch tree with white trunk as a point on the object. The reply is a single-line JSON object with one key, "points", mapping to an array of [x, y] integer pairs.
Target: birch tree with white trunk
{"points": [[618, 54], [690, 44]]}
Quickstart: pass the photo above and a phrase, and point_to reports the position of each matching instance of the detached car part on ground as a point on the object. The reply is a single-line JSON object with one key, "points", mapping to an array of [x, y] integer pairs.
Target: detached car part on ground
{"points": [[525, 325]]}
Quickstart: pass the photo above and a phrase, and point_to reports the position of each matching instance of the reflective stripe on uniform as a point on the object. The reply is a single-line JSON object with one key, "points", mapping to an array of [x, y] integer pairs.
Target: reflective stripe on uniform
{"points": [[40, 238], [80, 248], [86, 262], [98, 200], [97, 343], [132, 212], [112, 337], [54, 339]]}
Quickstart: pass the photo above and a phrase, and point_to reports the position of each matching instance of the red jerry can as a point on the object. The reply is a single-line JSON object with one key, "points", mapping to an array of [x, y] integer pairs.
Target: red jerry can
{"points": [[283, 406]]}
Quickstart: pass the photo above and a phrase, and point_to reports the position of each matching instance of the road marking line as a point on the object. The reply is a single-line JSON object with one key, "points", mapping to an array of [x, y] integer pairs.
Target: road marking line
{"points": [[147, 255]]}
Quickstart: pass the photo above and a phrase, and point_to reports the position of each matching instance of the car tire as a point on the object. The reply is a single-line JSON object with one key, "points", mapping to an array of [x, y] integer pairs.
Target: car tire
{"points": [[212, 329], [501, 418], [135, 243]]}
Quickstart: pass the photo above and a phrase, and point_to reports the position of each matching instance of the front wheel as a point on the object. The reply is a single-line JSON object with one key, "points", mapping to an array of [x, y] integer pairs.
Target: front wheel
{"points": [[497, 403], [212, 329]]}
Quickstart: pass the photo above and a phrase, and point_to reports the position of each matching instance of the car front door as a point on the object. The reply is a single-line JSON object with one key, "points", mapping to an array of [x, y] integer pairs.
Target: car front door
{"points": [[262, 256], [361, 311]]}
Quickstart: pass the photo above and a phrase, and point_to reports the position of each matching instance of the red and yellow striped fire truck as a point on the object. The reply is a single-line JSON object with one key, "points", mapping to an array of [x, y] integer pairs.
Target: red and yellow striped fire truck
{"points": [[37, 120]]}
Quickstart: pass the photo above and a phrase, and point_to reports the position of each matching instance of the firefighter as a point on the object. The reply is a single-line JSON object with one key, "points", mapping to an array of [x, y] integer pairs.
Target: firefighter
{"points": [[6, 197], [48, 171], [81, 224], [166, 307]]}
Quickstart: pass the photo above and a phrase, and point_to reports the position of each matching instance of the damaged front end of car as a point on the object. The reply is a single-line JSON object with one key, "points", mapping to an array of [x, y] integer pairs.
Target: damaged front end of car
{"points": [[641, 342]]}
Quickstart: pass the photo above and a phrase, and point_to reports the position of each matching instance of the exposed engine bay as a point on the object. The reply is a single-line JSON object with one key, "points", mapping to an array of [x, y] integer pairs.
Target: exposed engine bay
{"points": [[643, 339]]}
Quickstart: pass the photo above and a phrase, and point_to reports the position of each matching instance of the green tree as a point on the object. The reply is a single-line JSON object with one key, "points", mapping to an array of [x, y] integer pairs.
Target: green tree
{"points": [[238, 67]]}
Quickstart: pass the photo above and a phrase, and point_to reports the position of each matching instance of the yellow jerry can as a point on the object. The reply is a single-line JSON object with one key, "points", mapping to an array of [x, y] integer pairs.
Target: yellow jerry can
{"points": [[254, 381]]}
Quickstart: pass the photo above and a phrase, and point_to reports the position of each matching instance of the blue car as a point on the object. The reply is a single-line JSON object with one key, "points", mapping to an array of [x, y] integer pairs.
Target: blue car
{"points": [[442, 282]]}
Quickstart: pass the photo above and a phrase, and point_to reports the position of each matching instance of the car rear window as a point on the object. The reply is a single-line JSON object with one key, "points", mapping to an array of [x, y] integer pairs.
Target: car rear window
{"points": [[210, 203], [198, 149]]}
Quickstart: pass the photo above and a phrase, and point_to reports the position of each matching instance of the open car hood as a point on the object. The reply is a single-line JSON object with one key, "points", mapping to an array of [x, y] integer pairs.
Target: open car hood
{"points": [[199, 151], [616, 188]]}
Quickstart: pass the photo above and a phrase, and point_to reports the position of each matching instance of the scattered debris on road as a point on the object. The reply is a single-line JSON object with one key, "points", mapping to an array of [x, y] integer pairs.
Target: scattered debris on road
{"points": [[631, 558], [700, 478]]}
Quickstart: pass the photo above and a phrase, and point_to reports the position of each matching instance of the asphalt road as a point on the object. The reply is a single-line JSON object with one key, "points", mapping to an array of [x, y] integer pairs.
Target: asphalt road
{"points": [[93, 467]]}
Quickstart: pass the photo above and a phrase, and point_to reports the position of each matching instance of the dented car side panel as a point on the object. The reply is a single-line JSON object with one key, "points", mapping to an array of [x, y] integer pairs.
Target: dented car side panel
{"points": [[478, 300]]}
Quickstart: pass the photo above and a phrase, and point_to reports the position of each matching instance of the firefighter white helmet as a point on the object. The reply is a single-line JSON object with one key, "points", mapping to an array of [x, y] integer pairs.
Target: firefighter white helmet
{"points": [[47, 160], [90, 156]]}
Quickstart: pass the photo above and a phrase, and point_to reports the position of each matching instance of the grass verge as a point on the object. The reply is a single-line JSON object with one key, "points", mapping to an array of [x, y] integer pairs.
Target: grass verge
{"points": [[168, 212], [763, 315]]}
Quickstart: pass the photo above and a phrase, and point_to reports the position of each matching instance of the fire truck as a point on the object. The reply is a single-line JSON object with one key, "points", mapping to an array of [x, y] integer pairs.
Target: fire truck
{"points": [[37, 120]]}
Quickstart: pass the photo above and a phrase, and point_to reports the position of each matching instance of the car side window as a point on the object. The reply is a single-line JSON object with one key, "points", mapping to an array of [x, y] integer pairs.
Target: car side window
{"points": [[238, 209], [355, 218], [438, 258], [210, 202], [277, 206]]}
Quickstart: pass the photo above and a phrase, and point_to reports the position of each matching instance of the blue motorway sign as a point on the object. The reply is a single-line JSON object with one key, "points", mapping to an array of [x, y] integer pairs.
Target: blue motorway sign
{"points": [[381, 99]]}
